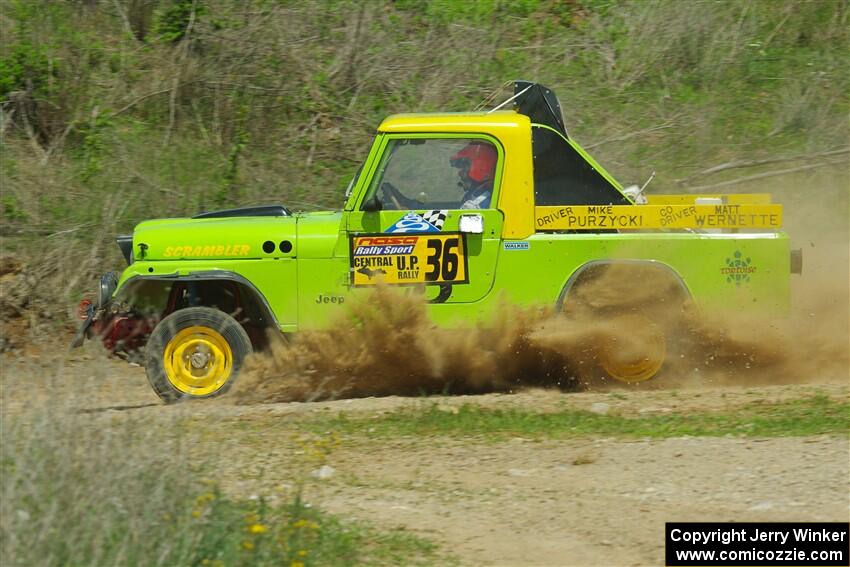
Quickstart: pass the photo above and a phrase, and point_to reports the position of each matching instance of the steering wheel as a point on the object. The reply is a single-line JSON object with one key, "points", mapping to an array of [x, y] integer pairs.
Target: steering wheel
{"points": [[389, 191]]}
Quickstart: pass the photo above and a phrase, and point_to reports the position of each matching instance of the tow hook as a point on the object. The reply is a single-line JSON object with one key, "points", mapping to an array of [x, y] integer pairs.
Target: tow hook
{"points": [[85, 311]]}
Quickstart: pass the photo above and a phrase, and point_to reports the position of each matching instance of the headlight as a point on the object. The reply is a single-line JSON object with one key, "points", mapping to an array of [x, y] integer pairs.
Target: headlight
{"points": [[108, 283]]}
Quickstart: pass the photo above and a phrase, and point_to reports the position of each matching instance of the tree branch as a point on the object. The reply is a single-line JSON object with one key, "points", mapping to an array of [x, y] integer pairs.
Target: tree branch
{"points": [[138, 100], [763, 175], [753, 163], [628, 136]]}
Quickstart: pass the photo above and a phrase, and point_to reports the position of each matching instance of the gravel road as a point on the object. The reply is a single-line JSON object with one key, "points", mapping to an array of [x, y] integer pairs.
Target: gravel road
{"points": [[579, 501]]}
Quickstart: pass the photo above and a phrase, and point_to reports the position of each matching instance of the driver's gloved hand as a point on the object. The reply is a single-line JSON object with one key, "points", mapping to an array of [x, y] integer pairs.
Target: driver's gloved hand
{"points": [[397, 198]]}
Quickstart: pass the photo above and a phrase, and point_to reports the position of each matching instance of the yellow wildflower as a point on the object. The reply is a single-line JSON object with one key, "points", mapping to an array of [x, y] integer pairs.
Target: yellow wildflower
{"points": [[247, 544], [258, 529], [296, 564], [196, 513], [205, 497], [302, 553], [300, 523]]}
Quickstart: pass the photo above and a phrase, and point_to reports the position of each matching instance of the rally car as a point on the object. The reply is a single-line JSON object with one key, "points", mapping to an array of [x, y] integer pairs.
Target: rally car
{"points": [[474, 207]]}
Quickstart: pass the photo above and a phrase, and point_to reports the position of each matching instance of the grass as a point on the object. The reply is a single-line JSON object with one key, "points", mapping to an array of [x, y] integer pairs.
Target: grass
{"points": [[252, 533], [816, 415], [83, 490]]}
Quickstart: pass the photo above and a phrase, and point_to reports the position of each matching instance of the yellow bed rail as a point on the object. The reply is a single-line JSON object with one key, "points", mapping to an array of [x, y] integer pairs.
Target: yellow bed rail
{"points": [[725, 198]]}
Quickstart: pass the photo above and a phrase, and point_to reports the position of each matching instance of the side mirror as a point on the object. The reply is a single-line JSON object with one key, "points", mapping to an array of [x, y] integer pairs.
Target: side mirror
{"points": [[372, 205]]}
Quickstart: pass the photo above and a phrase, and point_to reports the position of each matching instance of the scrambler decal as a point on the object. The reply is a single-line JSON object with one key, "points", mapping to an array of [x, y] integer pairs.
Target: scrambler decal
{"points": [[429, 221], [209, 250], [409, 259]]}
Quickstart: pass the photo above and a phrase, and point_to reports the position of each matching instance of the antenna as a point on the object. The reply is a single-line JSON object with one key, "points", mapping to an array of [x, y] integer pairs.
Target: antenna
{"points": [[651, 177], [491, 97], [517, 95]]}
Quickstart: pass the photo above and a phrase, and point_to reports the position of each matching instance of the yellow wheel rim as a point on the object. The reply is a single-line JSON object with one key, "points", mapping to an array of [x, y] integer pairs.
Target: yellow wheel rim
{"points": [[198, 361], [644, 356]]}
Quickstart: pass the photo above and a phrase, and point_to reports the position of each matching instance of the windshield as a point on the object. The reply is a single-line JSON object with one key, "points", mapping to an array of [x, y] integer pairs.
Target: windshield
{"points": [[429, 174]]}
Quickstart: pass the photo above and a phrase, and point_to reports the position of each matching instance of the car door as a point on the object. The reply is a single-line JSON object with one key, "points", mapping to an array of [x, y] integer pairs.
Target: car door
{"points": [[417, 233]]}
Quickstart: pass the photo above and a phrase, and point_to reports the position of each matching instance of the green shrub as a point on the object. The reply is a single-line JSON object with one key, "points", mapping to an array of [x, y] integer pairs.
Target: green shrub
{"points": [[172, 24]]}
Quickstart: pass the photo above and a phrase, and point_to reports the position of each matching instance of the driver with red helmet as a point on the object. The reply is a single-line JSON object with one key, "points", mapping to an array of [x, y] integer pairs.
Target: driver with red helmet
{"points": [[476, 167]]}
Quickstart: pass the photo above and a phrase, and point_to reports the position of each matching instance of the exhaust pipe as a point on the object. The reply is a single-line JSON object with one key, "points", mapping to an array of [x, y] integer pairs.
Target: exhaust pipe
{"points": [[797, 261]]}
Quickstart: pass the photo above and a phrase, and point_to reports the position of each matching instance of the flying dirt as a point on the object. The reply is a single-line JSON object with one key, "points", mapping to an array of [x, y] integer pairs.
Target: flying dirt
{"points": [[386, 345]]}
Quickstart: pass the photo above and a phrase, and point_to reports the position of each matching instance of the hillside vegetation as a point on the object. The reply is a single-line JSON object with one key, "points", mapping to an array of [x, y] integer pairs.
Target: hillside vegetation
{"points": [[117, 111]]}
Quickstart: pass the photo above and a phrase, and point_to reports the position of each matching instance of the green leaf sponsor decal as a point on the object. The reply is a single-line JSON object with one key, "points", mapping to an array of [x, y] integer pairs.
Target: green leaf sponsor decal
{"points": [[738, 269]]}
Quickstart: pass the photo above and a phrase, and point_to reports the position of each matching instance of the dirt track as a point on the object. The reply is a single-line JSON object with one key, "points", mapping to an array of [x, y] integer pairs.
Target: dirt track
{"points": [[598, 502], [584, 501]]}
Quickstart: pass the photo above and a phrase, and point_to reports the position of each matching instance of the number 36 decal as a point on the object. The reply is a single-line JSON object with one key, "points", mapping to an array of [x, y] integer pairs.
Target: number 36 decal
{"points": [[409, 259]]}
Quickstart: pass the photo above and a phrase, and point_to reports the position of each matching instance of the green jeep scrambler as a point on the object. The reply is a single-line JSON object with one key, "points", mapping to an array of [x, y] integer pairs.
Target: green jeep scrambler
{"points": [[201, 293]]}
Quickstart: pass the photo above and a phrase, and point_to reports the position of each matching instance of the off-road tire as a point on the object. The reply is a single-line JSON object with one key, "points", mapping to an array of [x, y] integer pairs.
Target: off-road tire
{"points": [[186, 325], [654, 315]]}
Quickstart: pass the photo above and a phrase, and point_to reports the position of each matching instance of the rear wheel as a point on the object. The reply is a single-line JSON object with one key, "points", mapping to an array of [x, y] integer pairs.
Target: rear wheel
{"points": [[637, 352], [638, 308], [195, 353]]}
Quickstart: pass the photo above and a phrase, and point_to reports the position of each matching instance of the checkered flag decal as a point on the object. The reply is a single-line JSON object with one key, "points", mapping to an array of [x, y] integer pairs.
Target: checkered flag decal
{"points": [[436, 218]]}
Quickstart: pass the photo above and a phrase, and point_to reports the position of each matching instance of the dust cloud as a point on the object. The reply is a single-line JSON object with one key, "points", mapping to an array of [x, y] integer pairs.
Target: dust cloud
{"points": [[811, 344], [385, 344]]}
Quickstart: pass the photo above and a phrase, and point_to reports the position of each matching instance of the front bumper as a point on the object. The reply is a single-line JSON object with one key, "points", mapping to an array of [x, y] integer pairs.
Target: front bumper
{"points": [[121, 330]]}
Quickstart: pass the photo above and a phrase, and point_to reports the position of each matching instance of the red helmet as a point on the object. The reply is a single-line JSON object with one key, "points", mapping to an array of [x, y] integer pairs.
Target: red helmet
{"points": [[479, 160]]}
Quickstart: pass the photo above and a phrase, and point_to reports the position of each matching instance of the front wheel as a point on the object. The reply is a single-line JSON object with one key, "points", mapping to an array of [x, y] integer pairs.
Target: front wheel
{"points": [[195, 353]]}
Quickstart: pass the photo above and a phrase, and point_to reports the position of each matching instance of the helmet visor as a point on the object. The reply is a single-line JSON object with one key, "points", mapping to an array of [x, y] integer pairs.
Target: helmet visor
{"points": [[461, 163]]}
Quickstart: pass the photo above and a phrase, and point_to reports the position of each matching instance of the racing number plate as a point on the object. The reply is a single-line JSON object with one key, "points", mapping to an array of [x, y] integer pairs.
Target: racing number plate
{"points": [[399, 259]]}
